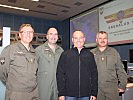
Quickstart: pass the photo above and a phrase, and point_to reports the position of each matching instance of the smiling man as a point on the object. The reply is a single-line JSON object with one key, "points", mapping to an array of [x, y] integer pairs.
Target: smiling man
{"points": [[77, 72], [110, 69], [47, 56]]}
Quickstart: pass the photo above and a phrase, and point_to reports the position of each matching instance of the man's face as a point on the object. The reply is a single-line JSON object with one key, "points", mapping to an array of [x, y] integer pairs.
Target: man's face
{"points": [[78, 39], [26, 34], [102, 40], [52, 36]]}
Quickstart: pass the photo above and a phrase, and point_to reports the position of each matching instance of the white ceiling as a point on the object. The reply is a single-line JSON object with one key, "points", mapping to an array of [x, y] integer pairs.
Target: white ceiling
{"points": [[50, 9]]}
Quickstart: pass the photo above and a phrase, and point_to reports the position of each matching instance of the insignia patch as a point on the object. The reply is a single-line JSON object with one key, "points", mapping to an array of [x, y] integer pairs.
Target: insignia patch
{"points": [[19, 52], [46, 51], [2, 60], [31, 60], [102, 58]]}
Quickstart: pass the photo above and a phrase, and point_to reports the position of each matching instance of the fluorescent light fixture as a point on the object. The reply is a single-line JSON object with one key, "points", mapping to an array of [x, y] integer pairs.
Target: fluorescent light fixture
{"points": [[35, 0], [6, 6]]}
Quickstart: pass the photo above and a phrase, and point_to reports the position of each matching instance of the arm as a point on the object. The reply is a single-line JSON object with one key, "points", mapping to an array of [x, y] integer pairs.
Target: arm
{"points": [[4, 64], [60, 75], [37, 54], [94, 78], [122, 76]]}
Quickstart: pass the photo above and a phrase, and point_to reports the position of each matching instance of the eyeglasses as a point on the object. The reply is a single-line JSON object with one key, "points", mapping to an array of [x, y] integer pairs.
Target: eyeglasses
{"points": [[26, 32]]}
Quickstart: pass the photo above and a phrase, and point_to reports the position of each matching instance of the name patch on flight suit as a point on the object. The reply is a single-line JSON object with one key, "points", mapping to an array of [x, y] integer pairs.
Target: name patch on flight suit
{"points": [[20, 52], [2, 60], [47, 52]]}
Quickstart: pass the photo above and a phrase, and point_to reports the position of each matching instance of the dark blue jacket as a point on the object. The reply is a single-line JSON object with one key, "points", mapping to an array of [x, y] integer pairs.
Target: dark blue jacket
{"points": [[77, 73]]}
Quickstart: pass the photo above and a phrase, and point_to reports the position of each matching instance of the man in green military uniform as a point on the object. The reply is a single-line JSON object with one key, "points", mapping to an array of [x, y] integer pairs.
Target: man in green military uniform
{"points": [[48, 55], [110, 69], [18, 67]]}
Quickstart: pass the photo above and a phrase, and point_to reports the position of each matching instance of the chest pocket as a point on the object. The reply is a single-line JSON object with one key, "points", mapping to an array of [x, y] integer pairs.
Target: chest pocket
{"points": [[21, 61], [18, 59], [31, 62], [30, 58], [48, 55]]}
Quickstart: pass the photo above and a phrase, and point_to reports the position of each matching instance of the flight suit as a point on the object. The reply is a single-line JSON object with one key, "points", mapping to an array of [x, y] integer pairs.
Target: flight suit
{"points": [[18, 68], [46, 75], [110, 71]]}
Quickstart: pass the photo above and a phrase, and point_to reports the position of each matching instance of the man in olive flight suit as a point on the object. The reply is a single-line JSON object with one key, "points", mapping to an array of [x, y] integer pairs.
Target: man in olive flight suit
{"points": [[18, 67], [110, 69], [48, 55]]}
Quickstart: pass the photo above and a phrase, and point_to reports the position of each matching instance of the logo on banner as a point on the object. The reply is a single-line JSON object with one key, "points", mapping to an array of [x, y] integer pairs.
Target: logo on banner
{"points": [[122, 14]]}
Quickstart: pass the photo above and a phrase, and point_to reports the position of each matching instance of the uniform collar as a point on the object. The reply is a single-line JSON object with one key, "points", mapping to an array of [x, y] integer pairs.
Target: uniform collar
{"points": [[106, 50], [20, 45], [48, 48]]}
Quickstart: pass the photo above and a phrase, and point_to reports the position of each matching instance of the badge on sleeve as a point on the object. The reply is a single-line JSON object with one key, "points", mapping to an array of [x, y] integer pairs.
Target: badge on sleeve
{"points": [[2, 60]]}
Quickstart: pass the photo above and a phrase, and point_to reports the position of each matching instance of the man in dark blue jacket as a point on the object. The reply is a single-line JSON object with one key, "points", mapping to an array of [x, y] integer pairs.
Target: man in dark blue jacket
{"points": [[77, 72]]}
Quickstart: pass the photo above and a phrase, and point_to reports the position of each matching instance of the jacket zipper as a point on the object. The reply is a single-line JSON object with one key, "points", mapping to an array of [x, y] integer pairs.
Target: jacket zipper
{"points": [[79, 75]]}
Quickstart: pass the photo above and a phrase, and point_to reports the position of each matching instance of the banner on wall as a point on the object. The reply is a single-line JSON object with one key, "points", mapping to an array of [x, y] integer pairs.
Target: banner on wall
{"points": [[117, 19]]}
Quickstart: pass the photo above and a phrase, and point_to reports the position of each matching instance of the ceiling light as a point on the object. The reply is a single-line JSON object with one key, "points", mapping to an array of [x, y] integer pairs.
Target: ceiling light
{"points": [[35, 0], [1, 5]]}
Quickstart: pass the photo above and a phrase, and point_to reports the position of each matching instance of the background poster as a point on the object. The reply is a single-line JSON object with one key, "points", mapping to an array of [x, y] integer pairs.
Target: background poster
{"points": [[117, 19]]}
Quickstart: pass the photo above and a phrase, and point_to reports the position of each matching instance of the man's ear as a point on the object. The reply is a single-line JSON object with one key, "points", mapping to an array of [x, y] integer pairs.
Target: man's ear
{"points": [[84, 39], [72, 39], [96, 40], [47, 36], [19, 34]]}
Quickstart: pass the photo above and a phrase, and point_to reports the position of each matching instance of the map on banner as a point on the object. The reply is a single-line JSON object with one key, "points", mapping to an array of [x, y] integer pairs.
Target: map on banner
{"points": [[87, 23]]}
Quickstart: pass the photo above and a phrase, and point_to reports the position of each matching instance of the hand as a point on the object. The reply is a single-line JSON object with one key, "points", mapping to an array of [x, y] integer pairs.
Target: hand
{"points": [[92, 98], [121, 90], [62, 98]]}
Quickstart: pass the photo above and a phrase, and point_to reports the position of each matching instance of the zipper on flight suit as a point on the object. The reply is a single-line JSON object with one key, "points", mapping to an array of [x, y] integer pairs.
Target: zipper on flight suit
{"points": [[106, 61]]}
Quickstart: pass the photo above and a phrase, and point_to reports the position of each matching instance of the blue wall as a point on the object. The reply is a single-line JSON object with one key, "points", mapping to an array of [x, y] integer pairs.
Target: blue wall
{"points": [[40, 25], [124, 50], [66, 34]]}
